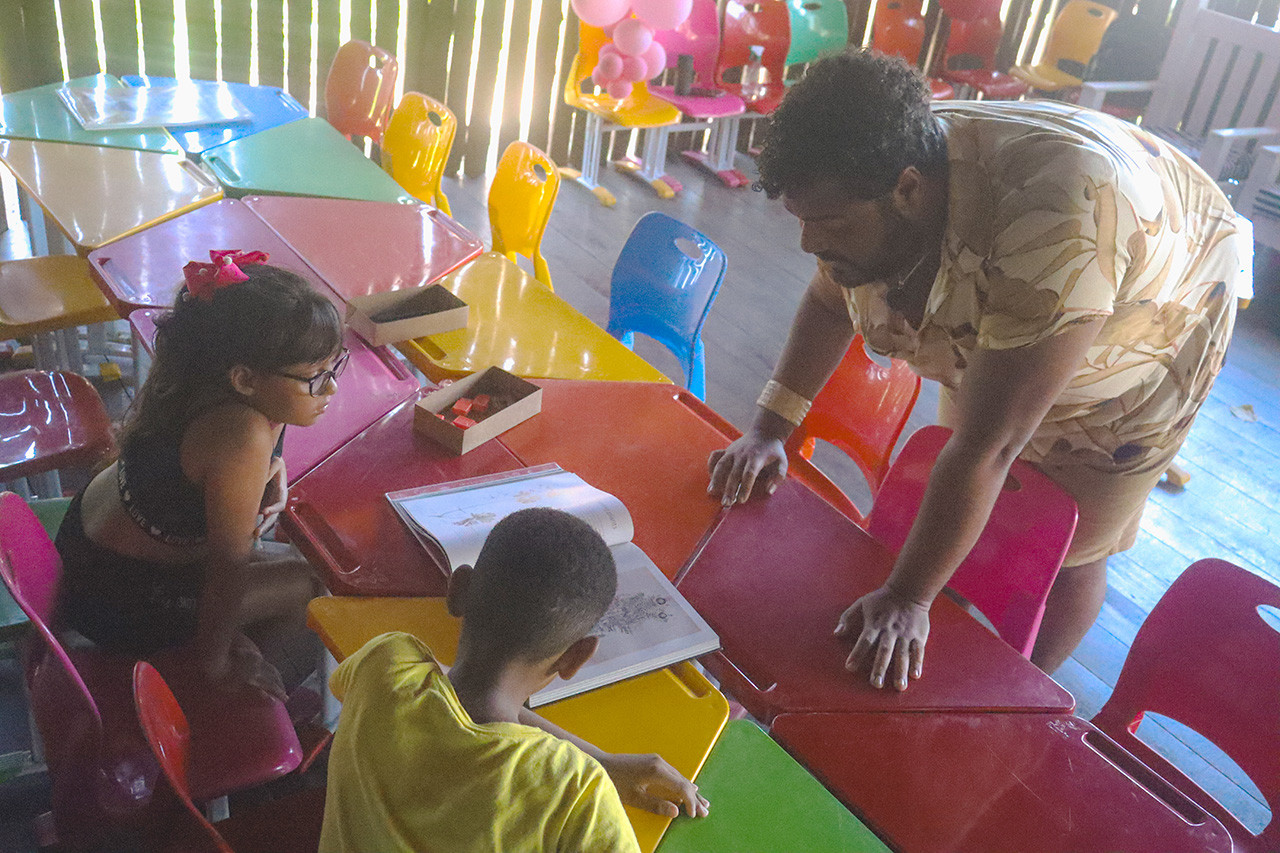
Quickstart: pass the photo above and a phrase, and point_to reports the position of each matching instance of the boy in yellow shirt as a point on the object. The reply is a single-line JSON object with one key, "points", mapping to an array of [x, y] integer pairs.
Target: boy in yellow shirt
{"points": [[428, 761]]}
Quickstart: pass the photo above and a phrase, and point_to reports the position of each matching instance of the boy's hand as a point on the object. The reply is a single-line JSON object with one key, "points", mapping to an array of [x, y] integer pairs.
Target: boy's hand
{"points": [[650, 783]]}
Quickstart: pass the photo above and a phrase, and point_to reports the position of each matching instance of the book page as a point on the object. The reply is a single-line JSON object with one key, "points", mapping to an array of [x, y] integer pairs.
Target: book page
{"points": [[459, 520], [649, 625]]}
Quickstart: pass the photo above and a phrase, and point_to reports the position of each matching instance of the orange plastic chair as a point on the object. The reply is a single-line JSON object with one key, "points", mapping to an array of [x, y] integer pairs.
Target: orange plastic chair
{"points": [[862, 410], [1074, 38], [521, 196], [1205, 657], [640, 109], [416, 147], [898, 30], [359, 91], [287, 825], [1011, 567]]}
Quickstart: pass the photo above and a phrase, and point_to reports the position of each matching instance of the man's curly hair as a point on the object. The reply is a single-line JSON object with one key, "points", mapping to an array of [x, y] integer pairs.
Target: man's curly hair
{"points": [[858, 118]]}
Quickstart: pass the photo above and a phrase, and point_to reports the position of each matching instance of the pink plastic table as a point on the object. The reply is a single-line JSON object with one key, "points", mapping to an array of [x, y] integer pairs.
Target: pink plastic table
{"points": [[644, 442], [374, 382], [936, 783], [364, 247], [145, 270], [773, 579], [338, 514]]}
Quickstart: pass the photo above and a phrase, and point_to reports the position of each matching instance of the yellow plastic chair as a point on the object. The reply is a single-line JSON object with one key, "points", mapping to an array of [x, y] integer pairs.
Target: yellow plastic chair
{"points": [[1074, 39], [638, 110], [48, 298], [359, 90], [523, 192], [674, 712], [416, 147]]}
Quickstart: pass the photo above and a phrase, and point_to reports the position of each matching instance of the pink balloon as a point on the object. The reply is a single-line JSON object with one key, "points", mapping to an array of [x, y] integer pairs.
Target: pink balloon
{"points": [[634, 69], [609, 68], [610, 49], [662, 14], [619, 89], [655, 60], [600, 13], [632, 37]]}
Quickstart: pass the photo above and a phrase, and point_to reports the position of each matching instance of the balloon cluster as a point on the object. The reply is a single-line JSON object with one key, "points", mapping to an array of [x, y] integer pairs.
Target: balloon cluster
{"points": [[633, 55]]}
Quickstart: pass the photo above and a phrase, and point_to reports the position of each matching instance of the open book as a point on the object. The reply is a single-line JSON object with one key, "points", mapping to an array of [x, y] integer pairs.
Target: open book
{"points": [[649, 625]]}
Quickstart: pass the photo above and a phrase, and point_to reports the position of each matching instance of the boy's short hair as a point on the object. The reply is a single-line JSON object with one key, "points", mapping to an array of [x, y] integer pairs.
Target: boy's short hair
{"points": [[542, 581]]}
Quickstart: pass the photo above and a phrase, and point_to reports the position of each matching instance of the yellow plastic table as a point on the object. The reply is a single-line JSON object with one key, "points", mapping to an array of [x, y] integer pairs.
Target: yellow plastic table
{"points": [[517, 323], [97, 195], [674, 712]]}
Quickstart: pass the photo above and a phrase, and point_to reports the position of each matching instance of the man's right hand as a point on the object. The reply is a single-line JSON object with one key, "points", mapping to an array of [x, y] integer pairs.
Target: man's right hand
{"points": [[736, 469]]}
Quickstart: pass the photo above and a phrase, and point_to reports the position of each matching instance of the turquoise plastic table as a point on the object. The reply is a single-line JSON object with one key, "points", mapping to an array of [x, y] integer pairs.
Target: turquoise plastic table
{"points": [[305, 157], [39, 114], [270, 106], [762, 801]]}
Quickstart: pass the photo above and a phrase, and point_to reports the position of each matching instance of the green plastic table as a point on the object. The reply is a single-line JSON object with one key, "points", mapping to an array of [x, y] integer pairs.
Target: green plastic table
{"points": [[39, 114], [306, 157], [762, 801]]}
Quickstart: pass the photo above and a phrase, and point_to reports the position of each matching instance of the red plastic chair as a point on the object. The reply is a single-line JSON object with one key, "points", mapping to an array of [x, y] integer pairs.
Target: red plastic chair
{"points": [[862, 410], [1008, 573], [288, 825], [102, 774], [1205, 657], [764, 23], [971, 56], [50, 421], [898, 30], [359, 91]]}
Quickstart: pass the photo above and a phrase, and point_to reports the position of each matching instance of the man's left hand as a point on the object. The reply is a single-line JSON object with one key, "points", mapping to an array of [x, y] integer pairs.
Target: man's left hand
{"points": [[894, 631]]}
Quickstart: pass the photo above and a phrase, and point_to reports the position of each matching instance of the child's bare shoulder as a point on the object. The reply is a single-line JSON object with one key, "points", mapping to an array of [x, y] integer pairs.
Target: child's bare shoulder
{"points": [[230, 430]]}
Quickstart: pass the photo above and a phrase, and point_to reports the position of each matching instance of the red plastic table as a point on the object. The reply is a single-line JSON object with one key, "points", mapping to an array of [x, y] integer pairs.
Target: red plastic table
{"points": [[930, 783], [145, 270], [374, 383], [646, 443], [773, 579], [365, 247], [338, 514]]}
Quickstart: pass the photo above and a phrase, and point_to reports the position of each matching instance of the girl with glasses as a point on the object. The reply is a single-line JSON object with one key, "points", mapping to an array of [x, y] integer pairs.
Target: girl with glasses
{"points": [[162, 549]]}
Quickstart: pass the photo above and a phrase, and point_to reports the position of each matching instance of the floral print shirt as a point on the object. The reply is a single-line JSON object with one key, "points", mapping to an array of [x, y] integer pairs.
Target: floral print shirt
{"points": [[1057, 215]]}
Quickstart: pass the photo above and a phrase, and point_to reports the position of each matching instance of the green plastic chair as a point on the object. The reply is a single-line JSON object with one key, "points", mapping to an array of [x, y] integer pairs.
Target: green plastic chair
{"points": [[762, 801], [818, 27]]}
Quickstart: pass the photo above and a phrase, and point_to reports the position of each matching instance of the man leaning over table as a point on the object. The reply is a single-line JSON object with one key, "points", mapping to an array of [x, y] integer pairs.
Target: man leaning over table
{"points": [[1068, 278]]}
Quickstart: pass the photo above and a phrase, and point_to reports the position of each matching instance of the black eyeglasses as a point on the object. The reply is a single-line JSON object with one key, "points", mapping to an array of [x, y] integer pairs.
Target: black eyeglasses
{"points": [[316, 384]]}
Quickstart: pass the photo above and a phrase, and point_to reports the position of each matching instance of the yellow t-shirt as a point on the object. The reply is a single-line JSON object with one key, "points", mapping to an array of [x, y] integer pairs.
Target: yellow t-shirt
{"points": [[1056, 215], [410, 771]]}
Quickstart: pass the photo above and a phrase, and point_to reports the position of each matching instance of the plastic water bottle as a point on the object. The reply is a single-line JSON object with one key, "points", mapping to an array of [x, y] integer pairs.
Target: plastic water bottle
{"points": [[754, 76]]}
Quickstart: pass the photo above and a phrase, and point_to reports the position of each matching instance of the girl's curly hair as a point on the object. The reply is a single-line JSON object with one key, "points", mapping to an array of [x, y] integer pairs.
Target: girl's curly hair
{"points": [[858, 118]]}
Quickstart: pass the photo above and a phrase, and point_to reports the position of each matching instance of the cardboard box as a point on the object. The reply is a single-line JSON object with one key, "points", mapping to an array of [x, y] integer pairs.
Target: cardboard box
{"points": [[400, 315], [519, 400]]}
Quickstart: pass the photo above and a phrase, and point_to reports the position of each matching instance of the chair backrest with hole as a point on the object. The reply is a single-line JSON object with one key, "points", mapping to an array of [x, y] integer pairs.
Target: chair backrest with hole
{"points": [[663, 284], [416, 147], [698, 36], [359, 91], [1012, 566], [1206, 657], [520, 201], [818, 28]]}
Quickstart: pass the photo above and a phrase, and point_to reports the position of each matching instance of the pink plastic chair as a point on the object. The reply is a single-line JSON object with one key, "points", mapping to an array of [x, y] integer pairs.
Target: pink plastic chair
{"points": [[99, 765], [360, 89], [288, 825], [50, 421], [862, 410], [699, 37], [1205, 657], [1008, 573]]}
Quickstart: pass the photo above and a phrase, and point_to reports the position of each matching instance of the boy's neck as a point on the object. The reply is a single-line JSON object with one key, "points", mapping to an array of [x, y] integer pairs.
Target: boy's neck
{"points": [[494, 692]]}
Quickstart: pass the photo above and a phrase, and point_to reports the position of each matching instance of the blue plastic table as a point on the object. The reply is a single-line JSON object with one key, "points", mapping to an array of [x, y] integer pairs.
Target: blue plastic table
{"points": [[270, 106]]}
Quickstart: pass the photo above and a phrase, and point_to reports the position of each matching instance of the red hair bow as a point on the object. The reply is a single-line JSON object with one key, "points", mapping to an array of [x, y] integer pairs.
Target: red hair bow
{"points": [[204, 279]]}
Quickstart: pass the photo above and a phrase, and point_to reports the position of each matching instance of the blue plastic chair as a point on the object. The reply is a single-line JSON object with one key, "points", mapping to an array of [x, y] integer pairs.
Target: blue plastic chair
{"points": [[663, 284]]}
